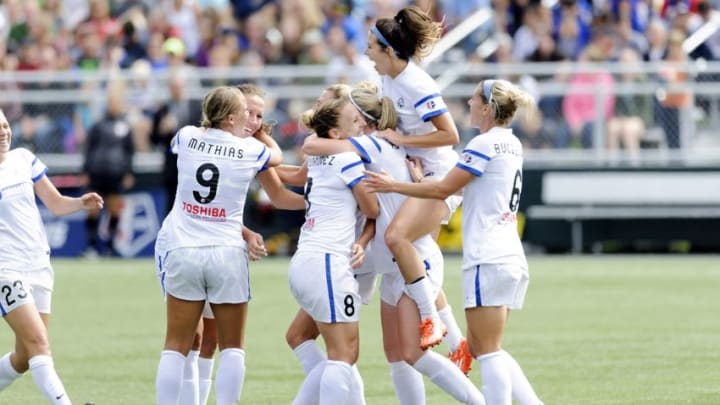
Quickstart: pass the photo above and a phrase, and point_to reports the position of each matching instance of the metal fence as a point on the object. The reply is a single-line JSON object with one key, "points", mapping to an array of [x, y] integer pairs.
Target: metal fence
{"points": [[588, 114]]}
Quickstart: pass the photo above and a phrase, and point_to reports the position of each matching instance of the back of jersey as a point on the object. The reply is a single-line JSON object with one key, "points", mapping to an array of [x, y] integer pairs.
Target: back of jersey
{"points": [[215, 170], [330, 204]]}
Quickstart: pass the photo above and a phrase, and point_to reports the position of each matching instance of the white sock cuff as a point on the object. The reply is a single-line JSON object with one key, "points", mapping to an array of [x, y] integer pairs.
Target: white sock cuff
{"points": [[304, 345], [173, 353], [205, 366], [338, 363], [7, 366], [490, 355], [446, 310], [193, 354], [41, 360], [233, 351]]}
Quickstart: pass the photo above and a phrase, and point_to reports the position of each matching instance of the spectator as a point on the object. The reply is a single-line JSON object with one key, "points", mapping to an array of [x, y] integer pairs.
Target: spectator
{"points": [[671, 100], [108, 166], [580, 103], [172, 115]]}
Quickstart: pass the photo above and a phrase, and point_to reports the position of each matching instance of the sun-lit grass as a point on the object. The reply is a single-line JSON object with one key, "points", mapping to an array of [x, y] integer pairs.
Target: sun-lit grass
{"points": [[595, 330]]}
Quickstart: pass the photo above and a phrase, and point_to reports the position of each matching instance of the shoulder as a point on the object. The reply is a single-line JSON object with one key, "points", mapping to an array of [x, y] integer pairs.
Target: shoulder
{"points": [[22, 154], [418, 81], [346, 158]]}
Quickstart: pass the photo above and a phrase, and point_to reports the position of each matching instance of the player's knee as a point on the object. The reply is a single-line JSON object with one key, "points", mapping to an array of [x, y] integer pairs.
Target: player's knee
{"points": [[34, 344], [295, 337], [394, 238]]}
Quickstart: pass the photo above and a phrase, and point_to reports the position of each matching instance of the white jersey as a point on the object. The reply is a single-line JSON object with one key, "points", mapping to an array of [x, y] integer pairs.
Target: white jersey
{"points": [[379, 154], [331, 207], [417, 99], [215, 170], [491, 199], [24, 242]]}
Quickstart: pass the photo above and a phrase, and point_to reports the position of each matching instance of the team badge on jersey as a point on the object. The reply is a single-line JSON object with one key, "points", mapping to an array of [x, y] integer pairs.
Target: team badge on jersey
{"points": [[467, 158], [401, 102]]}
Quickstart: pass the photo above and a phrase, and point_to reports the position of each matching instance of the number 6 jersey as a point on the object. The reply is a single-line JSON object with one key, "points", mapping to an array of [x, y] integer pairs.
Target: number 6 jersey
{"points": [[215, 169], [491, 199]]}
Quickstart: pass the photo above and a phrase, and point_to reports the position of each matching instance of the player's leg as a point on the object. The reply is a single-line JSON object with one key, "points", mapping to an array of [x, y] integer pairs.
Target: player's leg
{"points": [[230, 376], [301, 336], [206, 361]]}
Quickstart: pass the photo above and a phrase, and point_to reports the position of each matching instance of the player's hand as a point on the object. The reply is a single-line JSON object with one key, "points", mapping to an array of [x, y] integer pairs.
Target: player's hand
{"points": [[256, 245], [415, 168], [378, 182], [391, 135], [92, 201], [358, 256]]}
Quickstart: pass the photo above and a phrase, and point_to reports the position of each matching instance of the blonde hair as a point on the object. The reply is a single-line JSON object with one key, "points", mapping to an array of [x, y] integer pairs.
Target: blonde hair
{"points": [[505, 98], [411, 33], [337, 90], [326, 117], [379, 112], [219, 103]]}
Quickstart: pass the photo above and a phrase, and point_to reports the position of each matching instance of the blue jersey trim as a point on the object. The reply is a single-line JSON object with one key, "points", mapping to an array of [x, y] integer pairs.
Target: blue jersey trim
{"points": [[426, 98], [377, 145], [328, 280], [356, 181], [262, 153], [39, 176], [469, 169], [478, 296], [476, 153], [432, 114], [361, 151], [351, 165]]}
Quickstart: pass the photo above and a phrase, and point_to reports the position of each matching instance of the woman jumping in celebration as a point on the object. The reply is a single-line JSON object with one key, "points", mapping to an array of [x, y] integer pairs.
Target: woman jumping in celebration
{"points": [[494, 271]]}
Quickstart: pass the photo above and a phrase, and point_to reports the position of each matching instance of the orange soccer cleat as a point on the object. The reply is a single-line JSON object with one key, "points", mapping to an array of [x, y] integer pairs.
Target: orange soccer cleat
{"points": [[461, 357], [432, 331]]}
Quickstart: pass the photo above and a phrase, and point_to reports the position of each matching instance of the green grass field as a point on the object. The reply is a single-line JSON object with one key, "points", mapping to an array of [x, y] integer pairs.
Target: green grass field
{"points": [[595, 330]]}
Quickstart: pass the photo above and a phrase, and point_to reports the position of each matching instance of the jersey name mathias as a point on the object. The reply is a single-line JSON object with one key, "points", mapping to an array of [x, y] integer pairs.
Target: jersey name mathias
{"points": [[215, 149]]}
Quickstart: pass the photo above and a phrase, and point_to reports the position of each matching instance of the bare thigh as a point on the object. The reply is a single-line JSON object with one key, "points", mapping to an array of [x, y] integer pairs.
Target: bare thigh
{"points": [[182, 321], [231, 321]]}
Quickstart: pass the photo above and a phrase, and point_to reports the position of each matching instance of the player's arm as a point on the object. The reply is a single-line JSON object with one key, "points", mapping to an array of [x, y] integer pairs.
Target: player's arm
{"points": [[453, 182], [280, 196], [316, 146], [367, 233], [276, 154], [445, 133], [292, 175], [59, 204], [255, 243], [367, 201]]}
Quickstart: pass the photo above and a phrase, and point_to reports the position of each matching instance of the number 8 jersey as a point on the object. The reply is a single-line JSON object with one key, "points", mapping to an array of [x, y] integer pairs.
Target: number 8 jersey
{"points": [[215, 170], [491, 199]]}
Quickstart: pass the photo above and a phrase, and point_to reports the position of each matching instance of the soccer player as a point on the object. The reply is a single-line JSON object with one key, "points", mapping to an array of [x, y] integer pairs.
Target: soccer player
{"points": [[494, 271], [198, 251], [399, 314], [427, 131], [333, 193], [26, 276], [259, 129]]}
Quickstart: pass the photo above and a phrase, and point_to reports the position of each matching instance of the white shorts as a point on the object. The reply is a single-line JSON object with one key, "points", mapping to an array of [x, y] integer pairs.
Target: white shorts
{"points": [[393, 286], [366, 286], [40, 284], [218, 274], [14, 291], [325, 287], [492, 285]]}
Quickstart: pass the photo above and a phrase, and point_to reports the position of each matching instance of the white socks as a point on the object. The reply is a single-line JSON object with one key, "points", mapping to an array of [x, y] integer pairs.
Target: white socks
{"points": [[497, 385], [335, 383], [205, 369], [7, 372], [169, 377], [189, 392], [408, 383], [47, 380], [522, 391], [447, 376], [357, 387], [309, 355], [454, 335], [309, 392], [230, 376], [421, 292]]}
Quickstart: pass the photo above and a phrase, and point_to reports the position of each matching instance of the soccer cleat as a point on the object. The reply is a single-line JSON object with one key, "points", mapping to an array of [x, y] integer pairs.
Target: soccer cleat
{"points": [[432, 331], [461, 357]]}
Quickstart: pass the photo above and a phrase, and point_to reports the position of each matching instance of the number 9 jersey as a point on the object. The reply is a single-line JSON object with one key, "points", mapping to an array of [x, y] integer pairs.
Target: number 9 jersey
{"points": [[215, 170], [491, 199]]}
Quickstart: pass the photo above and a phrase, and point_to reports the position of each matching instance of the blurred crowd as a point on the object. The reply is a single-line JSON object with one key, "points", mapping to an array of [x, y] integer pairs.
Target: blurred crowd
{"points": [[174, 36]]}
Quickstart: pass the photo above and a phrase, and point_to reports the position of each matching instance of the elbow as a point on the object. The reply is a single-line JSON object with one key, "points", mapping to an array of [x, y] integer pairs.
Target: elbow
{"points": [[372, 211], [454, 137]]}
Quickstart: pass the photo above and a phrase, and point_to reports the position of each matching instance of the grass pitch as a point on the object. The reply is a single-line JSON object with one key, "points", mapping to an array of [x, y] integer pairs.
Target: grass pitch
{"points": [[595, 330]]}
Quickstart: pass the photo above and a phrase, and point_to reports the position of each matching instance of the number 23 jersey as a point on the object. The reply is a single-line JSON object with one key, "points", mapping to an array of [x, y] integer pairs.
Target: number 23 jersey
{"points": [[491, 199], [215, 170]]}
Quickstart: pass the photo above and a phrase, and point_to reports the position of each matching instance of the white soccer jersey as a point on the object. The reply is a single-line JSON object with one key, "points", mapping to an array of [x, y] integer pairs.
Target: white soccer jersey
{"points": [[379, 154], [417, 99], [215, 170], [24, 243], [331, 207], [491, 199]]}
